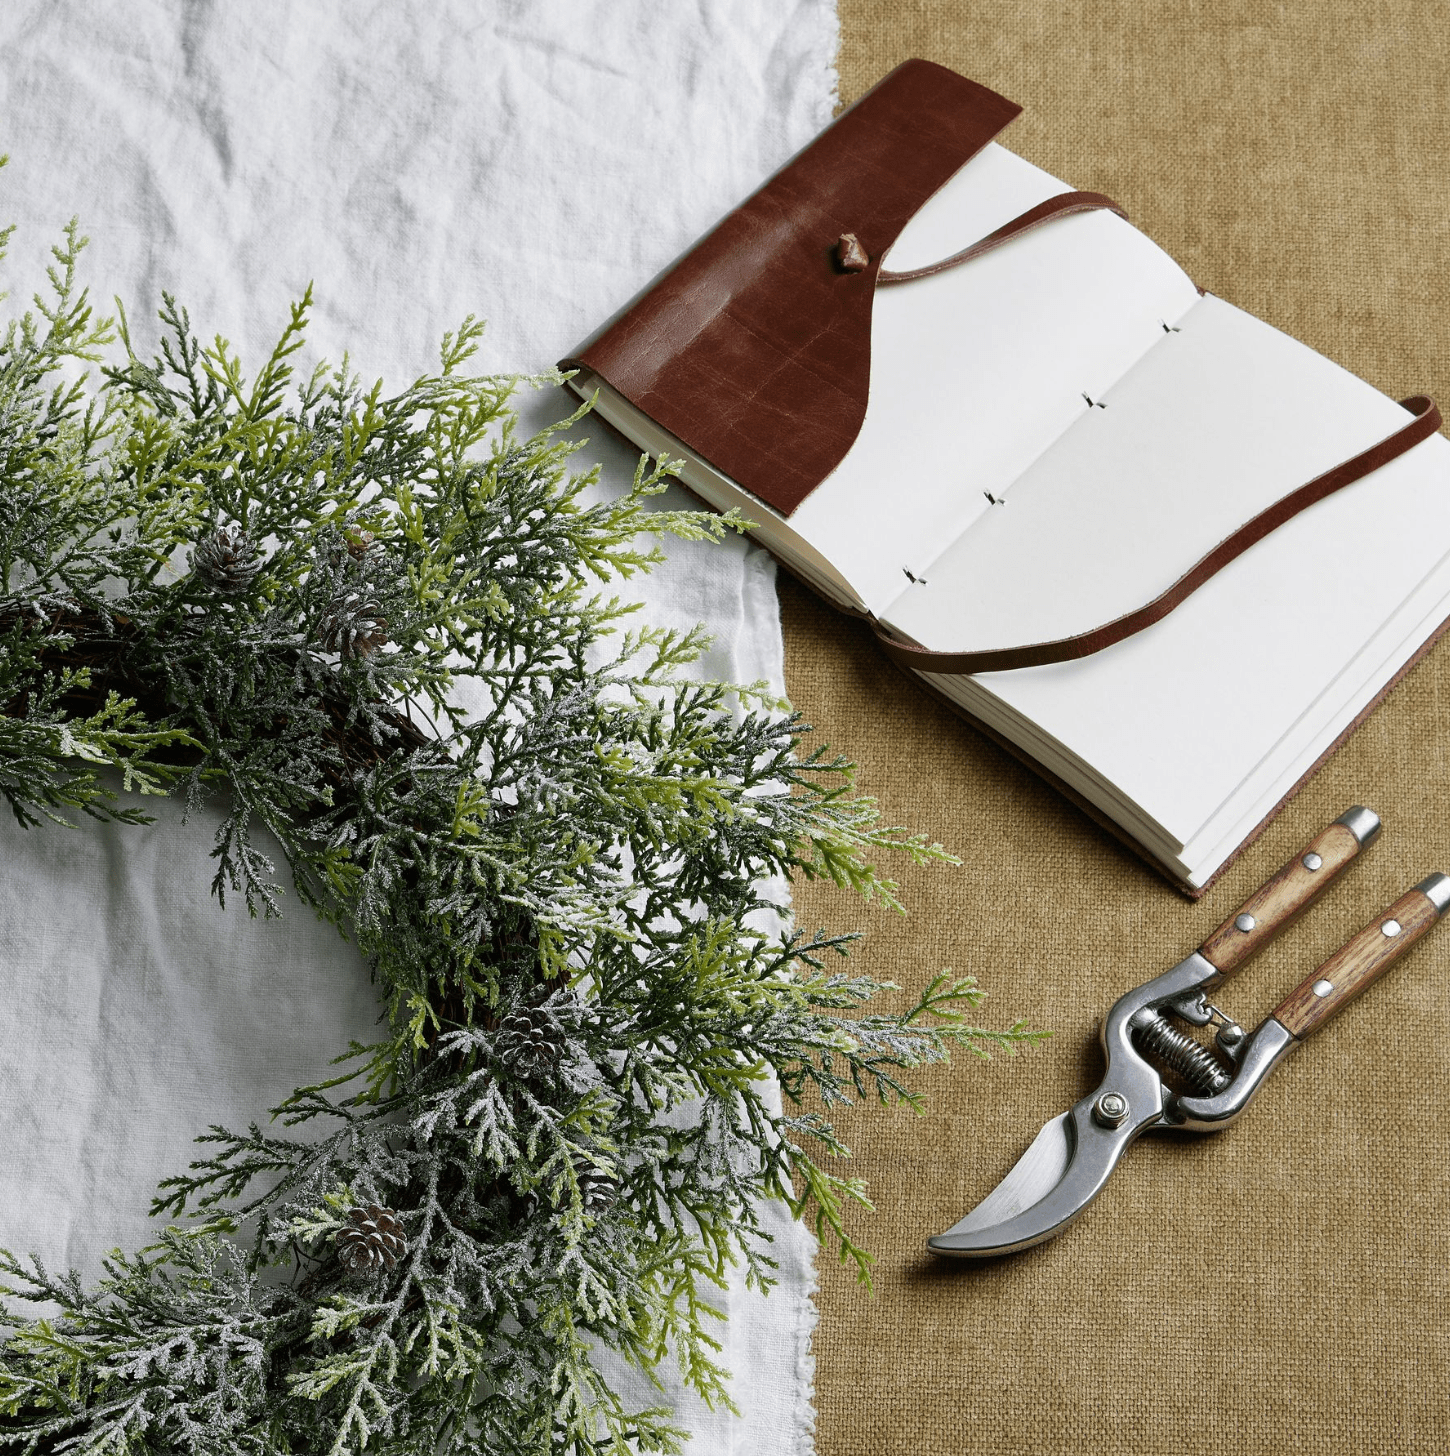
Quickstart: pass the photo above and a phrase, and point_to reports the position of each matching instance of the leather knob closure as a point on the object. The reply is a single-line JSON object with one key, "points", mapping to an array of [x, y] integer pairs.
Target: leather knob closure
{"points": [[851, 257]]}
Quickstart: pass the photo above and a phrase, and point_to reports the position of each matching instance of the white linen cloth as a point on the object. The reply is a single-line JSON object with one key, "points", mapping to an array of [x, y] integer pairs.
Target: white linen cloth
{"points": [[533, 163]]}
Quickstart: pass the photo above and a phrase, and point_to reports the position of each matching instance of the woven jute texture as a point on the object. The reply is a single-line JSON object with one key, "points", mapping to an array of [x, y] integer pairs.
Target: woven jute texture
{"points": [[1285, 1286]]}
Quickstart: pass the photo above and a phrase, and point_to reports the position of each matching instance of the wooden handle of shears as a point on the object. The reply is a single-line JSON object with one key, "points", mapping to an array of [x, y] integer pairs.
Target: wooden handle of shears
{"points": [[1292, 891], [1356, 966]]}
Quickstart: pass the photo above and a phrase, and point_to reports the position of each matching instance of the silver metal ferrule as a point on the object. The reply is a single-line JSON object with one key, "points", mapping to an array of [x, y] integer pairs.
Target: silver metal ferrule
{"points": [[1259, 1057], [1437, 891], [1363, 823]]}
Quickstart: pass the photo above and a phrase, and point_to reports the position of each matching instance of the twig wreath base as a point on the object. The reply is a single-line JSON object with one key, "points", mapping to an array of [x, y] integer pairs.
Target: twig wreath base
{"points": [[264, 593]]}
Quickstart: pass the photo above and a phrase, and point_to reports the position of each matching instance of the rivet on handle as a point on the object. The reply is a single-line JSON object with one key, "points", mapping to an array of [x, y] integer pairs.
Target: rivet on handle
{"points": [[1286, 895], [1363, 958]]}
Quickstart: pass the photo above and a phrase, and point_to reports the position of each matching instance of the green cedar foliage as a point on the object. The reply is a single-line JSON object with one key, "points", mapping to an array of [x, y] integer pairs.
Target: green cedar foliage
{"points": [[263, 592]]}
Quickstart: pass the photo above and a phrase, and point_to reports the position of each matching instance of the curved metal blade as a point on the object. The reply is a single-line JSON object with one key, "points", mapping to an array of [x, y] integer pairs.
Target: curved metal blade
{"points": [[1034, 1175], [1049, 1185]]}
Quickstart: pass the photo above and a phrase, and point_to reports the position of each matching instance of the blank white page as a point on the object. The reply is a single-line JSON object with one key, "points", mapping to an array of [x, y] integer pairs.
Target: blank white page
{"points": [[1179, 716], [1421, 616], [1215, 423], [976, 371]]}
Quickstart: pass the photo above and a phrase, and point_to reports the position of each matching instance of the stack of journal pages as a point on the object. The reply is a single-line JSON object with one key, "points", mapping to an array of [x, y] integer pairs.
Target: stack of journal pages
{"points": [[1054, 433]]}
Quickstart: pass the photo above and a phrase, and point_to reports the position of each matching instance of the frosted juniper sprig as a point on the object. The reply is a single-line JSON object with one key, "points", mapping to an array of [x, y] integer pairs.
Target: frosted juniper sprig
{"points": [[559, 1143]]}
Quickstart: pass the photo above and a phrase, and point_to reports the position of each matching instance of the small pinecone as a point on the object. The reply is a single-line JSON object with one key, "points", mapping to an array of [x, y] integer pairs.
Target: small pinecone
{"points": [[597, 1189], [353, 625], [371, 1240], [529, 1041], [359, 543], [226, 561]]}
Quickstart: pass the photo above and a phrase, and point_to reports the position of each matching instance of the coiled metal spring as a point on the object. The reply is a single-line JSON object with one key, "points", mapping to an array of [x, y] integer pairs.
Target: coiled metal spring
{"points": [[1180, 1053]]}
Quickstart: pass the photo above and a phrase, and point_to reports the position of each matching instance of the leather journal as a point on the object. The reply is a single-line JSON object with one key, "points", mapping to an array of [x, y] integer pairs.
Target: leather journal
{"points": [[1155, 547]]}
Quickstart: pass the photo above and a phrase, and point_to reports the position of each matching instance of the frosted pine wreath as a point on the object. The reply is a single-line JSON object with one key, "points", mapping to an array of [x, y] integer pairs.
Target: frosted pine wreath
{"points": [[263, 592]]}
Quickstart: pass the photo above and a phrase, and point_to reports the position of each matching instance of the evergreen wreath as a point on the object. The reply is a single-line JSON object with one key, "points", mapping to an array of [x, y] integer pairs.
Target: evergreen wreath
{"points": [[265, 593]]}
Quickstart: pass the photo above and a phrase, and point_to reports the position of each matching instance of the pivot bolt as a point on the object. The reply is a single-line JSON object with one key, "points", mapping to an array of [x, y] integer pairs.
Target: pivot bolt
{"points": [[1230, 1037], [1111, 1109]]}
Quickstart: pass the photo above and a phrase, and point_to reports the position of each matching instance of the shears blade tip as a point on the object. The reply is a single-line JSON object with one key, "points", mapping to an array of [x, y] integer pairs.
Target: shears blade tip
{"points": [[1033, 1177], [1049, 1185]]}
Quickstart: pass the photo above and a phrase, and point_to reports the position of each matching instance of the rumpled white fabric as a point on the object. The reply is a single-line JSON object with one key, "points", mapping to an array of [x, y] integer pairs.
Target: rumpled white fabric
{"points": [[529, 161]]}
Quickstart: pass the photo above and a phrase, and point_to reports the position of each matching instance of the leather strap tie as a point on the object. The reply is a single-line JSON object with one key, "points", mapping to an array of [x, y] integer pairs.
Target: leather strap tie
{"points": [[1036, 654], [1060, 206]]}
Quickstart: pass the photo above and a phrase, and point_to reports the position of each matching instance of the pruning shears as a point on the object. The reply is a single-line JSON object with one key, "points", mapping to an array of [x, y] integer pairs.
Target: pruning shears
{"points": [[1160, 1076]]}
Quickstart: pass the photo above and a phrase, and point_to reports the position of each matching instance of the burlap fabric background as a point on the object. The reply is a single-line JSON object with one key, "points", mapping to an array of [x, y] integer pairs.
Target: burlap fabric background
{"points": [[1284, 1287]]}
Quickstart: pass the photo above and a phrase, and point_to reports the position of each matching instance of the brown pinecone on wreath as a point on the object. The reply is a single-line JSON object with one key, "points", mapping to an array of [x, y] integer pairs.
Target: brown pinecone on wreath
{"points": [[353, 625], [371, 1240], [530, 1041], [226, 560]]}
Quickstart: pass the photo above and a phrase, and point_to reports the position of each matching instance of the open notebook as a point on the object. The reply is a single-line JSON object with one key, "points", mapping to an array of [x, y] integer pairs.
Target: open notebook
{"points": [[1054, 433]]}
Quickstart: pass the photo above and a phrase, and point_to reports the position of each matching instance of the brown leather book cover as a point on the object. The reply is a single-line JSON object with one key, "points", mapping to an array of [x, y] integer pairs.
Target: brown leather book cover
{"points": [[754, 349]]}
